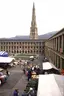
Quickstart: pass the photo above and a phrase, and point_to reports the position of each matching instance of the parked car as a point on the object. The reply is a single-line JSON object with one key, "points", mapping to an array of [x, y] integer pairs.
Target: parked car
{"points": [[3, 78]]}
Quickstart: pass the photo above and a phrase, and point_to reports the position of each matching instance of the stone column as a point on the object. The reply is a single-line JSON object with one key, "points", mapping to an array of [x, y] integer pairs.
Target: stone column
{"points": [[54, 44], [60, 63], [58, 43], [57, 62], [55, 59], [62, 43]]}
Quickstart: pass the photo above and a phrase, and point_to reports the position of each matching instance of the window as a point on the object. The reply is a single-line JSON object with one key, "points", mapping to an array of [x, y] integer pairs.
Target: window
{"points": [[14, 51], [25, 46], [23, 51], [6, 42], [31, 51], [17, 51], [9, 42], [14, 47], [14, 42], [1, 47], [37, 46], [20, 51]]}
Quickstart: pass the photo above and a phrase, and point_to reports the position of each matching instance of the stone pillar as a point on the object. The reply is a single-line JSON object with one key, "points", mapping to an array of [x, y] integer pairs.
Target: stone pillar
{"points": [[58, 43], [60, 63], [57, 62], [62, 43], [55, 59], [54, 44]]}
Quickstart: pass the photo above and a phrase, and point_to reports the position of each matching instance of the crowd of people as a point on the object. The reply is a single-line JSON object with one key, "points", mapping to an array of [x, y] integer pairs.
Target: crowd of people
{"points": [[35, 70], [31, 73], [31, 87]]}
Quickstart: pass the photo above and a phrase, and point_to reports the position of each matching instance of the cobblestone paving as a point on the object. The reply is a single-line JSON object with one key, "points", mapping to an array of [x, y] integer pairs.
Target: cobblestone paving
{"points": [[16, 80]]}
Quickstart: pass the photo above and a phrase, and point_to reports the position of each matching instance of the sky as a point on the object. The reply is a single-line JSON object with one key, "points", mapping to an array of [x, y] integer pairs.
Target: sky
{"points": [[16, 16]]}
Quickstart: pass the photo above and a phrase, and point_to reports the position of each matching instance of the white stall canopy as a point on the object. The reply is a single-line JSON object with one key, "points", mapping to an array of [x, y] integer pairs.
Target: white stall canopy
{"points": [[51, 85], [6, 59], [31, 57], [48, 65], [1, 69]]}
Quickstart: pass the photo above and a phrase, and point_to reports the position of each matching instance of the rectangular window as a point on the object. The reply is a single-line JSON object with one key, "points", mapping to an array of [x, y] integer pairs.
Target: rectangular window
{"points": [[1, 47], [14, 42]]}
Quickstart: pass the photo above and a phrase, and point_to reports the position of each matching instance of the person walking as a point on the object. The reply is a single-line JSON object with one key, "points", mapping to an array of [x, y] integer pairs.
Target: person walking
{"points": [[29, 74], [7, 72], [16, 93]]}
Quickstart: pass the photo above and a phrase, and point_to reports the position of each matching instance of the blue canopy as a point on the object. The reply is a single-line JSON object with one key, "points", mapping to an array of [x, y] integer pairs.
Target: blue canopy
{"points": [[3, 54]]}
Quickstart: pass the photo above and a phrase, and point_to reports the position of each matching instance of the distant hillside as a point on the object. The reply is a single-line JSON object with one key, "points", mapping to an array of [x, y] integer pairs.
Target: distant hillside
{"points": [[20, 37], [45, 36]]}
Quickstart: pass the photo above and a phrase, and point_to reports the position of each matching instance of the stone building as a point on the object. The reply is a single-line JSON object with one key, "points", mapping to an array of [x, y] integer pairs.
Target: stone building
{"points": [[22, 46], [54, 49], [32, 45]]}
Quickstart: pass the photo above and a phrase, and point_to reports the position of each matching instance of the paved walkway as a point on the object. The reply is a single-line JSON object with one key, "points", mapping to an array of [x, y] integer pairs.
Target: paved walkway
{"points": [[21, 85], [16, 80]]}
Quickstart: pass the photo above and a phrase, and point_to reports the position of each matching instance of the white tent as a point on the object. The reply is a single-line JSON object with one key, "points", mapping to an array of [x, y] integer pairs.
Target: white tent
{"points": [[6, 59], [31, 57], [1, 69], [48, 65], [51, 85]]}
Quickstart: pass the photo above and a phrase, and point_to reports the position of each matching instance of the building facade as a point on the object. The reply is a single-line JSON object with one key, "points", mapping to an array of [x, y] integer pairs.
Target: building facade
{"points": [[33, 45], [54, 49], [22, 46]]}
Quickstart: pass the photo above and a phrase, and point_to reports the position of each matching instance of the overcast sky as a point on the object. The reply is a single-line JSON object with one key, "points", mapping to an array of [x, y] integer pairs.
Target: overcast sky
{"points": [[16, 16]]}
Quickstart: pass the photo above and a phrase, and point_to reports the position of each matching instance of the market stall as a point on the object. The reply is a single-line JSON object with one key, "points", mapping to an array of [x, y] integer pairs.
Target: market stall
{"points": [[5, 61], [50, 85], [49, 68]]}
